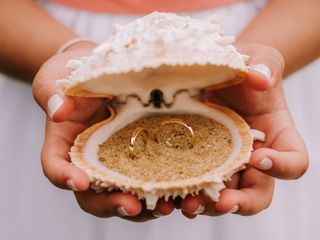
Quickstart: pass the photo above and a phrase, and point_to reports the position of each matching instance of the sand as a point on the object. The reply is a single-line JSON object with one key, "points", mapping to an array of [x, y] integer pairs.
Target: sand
{"points": [[174, 157]]}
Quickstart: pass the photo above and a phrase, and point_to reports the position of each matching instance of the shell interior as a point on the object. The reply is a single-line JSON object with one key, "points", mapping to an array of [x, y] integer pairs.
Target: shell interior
{"points": [[103, 177]]}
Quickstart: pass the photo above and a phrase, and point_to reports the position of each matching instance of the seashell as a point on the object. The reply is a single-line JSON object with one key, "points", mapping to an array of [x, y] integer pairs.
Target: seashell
{"points": [[179, 57]]}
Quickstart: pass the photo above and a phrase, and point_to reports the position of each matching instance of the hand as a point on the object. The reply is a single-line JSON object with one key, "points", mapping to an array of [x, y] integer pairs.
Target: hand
{"points": [[260, 101], [67, 117]]}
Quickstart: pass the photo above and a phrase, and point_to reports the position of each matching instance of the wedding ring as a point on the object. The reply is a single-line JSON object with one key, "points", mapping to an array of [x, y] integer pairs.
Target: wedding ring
{"points": [[133, 153], [179, 122]]}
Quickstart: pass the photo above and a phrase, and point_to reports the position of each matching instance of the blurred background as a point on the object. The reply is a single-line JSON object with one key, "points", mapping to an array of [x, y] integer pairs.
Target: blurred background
{"points": [[32, 208]]}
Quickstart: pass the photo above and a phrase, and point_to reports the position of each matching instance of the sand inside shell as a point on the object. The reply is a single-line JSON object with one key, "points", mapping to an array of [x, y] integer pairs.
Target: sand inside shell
{"points": [[173, 157]]}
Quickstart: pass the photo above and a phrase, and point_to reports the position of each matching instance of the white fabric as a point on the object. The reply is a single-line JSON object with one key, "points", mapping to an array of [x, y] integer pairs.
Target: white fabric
{"points": [[31, 208]]}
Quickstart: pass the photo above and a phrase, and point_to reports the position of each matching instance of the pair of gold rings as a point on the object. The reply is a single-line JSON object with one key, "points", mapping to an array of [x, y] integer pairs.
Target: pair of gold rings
{"points": [[139, 131]]}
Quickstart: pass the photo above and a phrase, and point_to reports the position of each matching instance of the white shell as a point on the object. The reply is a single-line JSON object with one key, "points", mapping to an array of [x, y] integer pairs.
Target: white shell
{"points": [[179, 56], [148, 52]]}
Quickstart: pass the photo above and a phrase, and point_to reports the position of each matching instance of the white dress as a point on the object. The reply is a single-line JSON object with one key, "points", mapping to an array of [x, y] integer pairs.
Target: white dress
{"points": [[32, 208]]}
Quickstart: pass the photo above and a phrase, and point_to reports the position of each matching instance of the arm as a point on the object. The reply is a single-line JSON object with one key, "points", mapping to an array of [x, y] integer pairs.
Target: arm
{"points": [[292, 27], [261, 101], [29, 36], [28, 42]]}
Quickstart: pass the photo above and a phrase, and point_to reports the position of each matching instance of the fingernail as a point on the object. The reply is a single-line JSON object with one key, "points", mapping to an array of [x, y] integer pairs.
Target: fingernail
{"points": [[234, 209], [262, 69], [199, 210], [70, 184], [54, 104], [122, 211], [156, 214], [265, 164]]}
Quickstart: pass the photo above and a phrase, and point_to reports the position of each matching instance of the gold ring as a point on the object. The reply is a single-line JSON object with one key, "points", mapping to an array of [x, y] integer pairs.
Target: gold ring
{"points": [[132, 152], [179, 122]]}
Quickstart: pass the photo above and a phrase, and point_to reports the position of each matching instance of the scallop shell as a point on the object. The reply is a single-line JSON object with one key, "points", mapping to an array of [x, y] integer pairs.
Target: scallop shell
{"points": [[180, 56], [154, 49]]}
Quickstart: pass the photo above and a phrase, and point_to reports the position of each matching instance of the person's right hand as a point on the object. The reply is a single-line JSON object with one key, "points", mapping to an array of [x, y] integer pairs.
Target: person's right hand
{"points": [[66, 118]]}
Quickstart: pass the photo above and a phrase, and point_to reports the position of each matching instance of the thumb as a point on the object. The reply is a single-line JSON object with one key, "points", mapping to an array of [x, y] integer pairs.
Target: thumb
{"points": [[266, 66], [50, 98], [59, 107], [45, 91]]}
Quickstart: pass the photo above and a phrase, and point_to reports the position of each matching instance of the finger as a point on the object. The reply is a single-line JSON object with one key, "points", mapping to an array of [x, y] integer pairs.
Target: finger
{"points": [[283, 154], [55, 161], [163, 208], [188, 215], [266, 66], [202, 204], [199, 204], [145, 215], [108, 204], [46, 92], [58, 106], [255, 196], [191, 210], [281, 164], [233, 182], [193, 204]]}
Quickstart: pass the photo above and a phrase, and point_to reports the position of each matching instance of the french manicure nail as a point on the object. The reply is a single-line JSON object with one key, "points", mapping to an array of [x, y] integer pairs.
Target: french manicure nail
{"points": [[54, 104], [234, 209], [70, 184], [199, 210], [262, 69], [265, 164], [156, 214], [122, 211]]}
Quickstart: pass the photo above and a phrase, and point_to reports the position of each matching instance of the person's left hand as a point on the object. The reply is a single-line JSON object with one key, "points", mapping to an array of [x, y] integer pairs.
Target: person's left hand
{"points": [[261, 102]]}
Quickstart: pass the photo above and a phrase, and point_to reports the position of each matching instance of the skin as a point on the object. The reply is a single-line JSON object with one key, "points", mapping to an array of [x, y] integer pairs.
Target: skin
{"points": [[22, 53], [260, 101], [72, 118], [262, 105]]}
